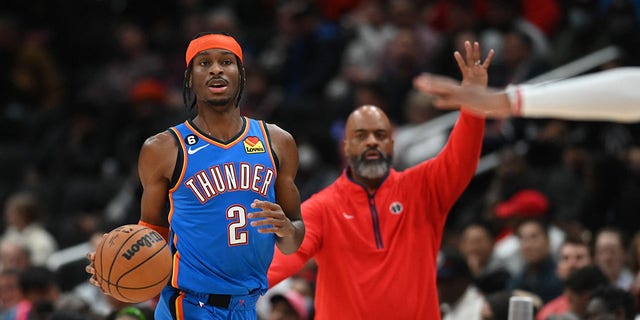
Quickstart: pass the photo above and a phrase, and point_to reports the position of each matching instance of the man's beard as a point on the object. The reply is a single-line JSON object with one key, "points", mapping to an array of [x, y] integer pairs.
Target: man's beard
{"points": [[370, 169], [219, 102]]}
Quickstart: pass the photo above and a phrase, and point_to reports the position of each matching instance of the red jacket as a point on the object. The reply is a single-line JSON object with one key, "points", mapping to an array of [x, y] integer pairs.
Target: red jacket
{"points": [[377, 253]]}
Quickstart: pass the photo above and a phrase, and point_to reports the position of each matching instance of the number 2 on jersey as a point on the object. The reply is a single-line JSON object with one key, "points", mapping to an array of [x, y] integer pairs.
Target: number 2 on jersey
{"points": [[237, 236]]}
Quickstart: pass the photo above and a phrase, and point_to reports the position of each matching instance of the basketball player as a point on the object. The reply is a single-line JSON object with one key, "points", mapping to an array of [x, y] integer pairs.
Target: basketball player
{"points": [[610, 95], [228, 182], [375, 232]]}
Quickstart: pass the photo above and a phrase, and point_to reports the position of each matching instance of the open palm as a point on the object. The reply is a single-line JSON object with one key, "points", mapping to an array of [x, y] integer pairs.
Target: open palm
{"points": [[474, 70]]}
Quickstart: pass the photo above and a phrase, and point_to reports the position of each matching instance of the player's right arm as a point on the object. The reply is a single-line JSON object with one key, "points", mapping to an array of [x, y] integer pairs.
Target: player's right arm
{"points": [[156, 164]]}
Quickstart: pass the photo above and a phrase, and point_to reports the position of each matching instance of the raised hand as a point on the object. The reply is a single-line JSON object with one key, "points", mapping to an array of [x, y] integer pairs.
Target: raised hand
{"points": [[473, 93], [473, 69]]}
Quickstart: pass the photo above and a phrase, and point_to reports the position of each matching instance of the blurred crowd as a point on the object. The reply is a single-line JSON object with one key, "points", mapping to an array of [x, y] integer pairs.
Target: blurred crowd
{"points": [[84, 83]]}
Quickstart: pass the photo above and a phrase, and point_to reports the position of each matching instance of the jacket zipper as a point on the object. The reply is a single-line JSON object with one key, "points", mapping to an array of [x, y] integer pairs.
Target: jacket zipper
{"points": [[376, 222]]}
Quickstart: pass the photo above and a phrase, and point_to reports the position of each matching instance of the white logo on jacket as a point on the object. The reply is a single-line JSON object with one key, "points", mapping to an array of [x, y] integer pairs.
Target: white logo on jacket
{"points": [[347, 216], [396, 207]]}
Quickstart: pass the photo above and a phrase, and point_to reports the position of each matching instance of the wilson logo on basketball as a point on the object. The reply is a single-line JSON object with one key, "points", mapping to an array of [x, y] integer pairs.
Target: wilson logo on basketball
{"points": [[146, 241], [253, 145]]}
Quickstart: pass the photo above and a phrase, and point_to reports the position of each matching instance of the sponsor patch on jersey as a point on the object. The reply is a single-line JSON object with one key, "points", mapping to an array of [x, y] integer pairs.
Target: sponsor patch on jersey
{"points": [[253, 145]]}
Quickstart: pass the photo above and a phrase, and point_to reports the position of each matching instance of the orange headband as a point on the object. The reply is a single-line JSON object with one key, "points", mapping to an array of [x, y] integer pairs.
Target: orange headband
{"points": [[213, 41]]}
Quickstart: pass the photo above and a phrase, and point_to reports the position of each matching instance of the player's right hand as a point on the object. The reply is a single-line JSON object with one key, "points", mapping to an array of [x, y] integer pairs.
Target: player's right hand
{"points": [[90, 268]]}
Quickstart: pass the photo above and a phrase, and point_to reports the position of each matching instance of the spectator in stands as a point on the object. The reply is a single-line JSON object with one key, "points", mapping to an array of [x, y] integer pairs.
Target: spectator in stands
{"points": [[611, 303], [361, 60], [539, 273], [634, 253], [578, 288], [459, 298], [574, 255], [10, 295], [23, 218], [301, 283], [40, 290], [524, 204], [611, 256], [290, 305], [476, 245], [14, 254]]}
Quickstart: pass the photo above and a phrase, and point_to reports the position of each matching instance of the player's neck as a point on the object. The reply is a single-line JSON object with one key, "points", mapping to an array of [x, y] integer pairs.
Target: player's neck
{"points": [[220, 125]]}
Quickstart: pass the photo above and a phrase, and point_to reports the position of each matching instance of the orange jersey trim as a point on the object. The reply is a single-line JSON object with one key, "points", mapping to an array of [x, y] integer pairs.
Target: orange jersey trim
{"points": [[263, 128], [176, 264], [179, 306], [184, 169], [218, 144]]}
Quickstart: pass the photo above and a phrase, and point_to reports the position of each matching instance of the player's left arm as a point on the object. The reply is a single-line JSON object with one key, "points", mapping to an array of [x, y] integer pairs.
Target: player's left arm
{"points": [[283, 217]]}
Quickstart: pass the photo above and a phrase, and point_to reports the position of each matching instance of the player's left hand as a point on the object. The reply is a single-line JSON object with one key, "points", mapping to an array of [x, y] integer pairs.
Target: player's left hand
{"points": [[474, 70], [274, 220]]}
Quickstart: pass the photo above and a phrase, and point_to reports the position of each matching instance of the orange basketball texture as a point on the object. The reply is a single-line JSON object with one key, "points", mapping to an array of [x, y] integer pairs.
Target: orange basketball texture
{"points": [[132, 263]]}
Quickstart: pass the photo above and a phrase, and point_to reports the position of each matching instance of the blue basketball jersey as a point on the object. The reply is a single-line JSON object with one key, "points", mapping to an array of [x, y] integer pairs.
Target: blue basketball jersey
{"points": [[215, 249]]}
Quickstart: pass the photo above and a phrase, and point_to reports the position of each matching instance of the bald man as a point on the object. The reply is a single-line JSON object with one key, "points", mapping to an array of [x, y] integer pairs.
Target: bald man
{"points": [[375, 233]]}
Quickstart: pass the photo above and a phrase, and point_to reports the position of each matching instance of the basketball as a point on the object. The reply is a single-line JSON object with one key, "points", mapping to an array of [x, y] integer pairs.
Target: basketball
{"points": [[132, 263]]}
